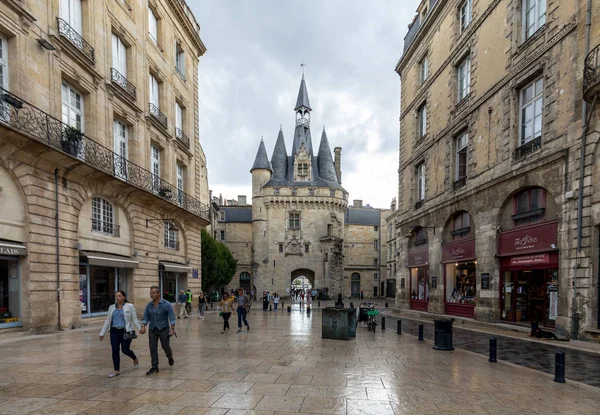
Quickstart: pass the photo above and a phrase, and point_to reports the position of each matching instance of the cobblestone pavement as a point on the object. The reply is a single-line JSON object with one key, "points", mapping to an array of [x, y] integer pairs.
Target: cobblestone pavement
{"points": [[280, 366]]}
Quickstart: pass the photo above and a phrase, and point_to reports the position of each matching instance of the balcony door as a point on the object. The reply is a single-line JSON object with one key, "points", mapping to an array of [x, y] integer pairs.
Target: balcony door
{"points": [[4, 107], [70, 12], [155, 166], [119, 55], [121, 144]]}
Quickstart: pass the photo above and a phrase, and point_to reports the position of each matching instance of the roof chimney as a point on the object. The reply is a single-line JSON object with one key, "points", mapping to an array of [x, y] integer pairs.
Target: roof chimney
{"points": [[338, 163], [241, 200], [357, 203]]}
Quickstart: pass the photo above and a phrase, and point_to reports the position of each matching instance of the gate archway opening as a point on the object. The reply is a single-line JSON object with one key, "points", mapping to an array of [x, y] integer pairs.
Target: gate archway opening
{"points": [[355, 285], [245, 281], [302, 279]]}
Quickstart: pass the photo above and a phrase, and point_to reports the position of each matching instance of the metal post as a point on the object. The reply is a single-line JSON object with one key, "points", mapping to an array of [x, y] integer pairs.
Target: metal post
{"points": [[492, 350], [399, 330], [307, 309], [382, 323], [386, 304], [421, 332], [270, 307], [559, 367], [319, 304]]}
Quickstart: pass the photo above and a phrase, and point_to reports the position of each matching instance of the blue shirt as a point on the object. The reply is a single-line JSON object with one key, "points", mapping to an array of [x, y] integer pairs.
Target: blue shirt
{"points": [[183, 298], [118, 319], [159, 317]]}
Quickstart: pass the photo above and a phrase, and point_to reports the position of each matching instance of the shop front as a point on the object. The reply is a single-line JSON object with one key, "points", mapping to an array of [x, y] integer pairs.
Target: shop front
{"points": [[100, 275], [460, 270], [10, 283], [529, 274], [173, 277], [418, 265]]}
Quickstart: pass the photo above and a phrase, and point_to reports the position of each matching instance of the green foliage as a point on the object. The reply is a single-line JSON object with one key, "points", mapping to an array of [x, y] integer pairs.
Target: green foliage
{"points": [[218, 264]]}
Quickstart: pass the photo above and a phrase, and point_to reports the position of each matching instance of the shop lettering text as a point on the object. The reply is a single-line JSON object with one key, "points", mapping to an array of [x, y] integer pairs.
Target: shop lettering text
{"points": [[527, 241], [530, 259], [9, 251], [418, 259], [458, 252]]}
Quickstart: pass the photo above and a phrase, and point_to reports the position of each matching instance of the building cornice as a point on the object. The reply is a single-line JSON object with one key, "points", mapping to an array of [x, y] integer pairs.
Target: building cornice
{"points": [[315, 202], [178, 7]]}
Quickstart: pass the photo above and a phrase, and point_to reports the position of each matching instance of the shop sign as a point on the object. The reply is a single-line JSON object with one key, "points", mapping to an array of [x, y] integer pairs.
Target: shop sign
{"points": [[17, 250], [530, 239], [553, 312], [536, 259], [459, 251], [194, 273], [418, 258], [485, 281]]}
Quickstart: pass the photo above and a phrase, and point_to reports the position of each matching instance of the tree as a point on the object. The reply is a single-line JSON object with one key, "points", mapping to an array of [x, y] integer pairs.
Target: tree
{"points": [[218, 264]]}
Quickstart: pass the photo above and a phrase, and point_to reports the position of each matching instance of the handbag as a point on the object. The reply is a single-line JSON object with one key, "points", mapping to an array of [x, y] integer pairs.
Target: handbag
{"points": [[130, 335]]}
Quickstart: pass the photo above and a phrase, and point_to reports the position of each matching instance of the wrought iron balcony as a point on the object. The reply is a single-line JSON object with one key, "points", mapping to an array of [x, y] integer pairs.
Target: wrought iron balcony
{"points": [[30, 121], [158, 115], [64, 29], [105, 227], [460, 183], [170, 244], [591, 74], [119, 79], [180, 135], [528, 147], [419, 203]]}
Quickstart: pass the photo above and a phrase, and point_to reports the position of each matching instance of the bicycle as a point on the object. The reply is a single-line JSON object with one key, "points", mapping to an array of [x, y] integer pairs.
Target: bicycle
{"points": [[371, 322]]}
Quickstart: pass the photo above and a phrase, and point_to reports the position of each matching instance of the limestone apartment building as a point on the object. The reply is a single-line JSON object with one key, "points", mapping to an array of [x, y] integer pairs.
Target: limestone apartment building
{"points": [[103, 182], [492, 122]]}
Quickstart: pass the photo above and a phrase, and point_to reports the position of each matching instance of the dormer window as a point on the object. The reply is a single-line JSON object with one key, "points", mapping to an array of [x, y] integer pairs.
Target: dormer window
{"points": [[303, 169]]}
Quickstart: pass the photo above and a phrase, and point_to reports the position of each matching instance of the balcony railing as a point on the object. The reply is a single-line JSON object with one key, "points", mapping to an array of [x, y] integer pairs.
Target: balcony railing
{"points": [[591, 74], [170, 244], [460, 183], [529, 147], [419, 203], [105, 227], [21, 116], [119, 79], [64, 29], [156, 113], [180, 135]]}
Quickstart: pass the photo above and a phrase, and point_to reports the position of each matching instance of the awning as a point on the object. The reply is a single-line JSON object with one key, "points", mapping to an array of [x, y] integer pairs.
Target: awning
{"points": [[174, 267], [109, 260], [12, 248]]}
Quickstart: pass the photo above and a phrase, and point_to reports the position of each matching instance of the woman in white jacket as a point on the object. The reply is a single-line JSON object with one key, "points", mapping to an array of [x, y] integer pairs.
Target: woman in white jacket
{"points": [[121, 318]]}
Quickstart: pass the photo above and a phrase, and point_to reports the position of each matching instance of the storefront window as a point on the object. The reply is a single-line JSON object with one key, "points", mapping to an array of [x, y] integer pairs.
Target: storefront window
{"points": [[419, 284], [461, 283], [97, 286], [171, 283], [10, 313]]}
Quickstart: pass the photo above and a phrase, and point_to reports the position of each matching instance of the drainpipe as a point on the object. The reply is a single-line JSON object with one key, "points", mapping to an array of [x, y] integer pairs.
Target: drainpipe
{"points": [[586, 119], [57, 248]]}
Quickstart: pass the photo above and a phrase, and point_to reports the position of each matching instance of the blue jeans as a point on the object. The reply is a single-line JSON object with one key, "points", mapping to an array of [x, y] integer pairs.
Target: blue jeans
{"points": [[241, 312], [275, 304], [117, 342]]}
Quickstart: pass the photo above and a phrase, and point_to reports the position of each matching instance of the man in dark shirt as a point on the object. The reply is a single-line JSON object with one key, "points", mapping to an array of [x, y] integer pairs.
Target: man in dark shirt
{"points": [[159, 315]]}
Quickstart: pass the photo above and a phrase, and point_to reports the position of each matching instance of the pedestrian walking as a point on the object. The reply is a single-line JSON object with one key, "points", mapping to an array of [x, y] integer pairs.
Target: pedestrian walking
{"points": [[160, 318], [188, 304], [275, 301], [201, 305], [226, 305], [243, 303], [120, 319], [181, 302]]}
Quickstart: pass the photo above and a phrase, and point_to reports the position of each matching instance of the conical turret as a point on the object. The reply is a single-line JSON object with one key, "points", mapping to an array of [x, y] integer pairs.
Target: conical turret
{"points": [[302, 100], [279, 159], [325, 161], [261, 161]]}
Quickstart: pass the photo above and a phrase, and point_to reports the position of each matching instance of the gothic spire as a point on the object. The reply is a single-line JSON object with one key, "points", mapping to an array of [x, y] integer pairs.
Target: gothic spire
{"points": [[279, 159], [325, 161], [261, 161], [302, 100]]}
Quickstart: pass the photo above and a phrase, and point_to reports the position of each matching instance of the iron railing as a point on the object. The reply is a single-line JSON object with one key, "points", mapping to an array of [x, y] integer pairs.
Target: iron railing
{"points": [[119, 79], [419, 203], [591, 74], [157, 113], [171, 244], [180, 135], [65, 29], [528, 147], [106, 227], [460, 183], [31, 121]]}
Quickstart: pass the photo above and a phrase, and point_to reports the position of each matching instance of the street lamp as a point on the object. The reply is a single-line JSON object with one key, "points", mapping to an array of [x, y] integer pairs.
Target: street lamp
{"points": [[170, 223]]}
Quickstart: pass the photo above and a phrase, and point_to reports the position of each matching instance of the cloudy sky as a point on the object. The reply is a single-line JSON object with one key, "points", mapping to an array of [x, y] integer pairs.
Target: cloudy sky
{"points": [[250, 75]]}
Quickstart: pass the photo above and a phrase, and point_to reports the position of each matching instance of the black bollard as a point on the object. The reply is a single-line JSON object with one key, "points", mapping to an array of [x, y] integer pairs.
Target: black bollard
{"points": [[399, 329], [559, 367], [211, 305], [289, 309], [492, 350], [319, 304], [308, 310], [270, 307], [386, 304], [382, 323], [421, 332]]}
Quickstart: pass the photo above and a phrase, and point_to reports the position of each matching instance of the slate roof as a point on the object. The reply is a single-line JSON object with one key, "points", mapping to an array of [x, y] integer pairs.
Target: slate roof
{"points": [[325, 161], [279, 159], [237, 214], [362, 216], [302, 100], [261, 161]]}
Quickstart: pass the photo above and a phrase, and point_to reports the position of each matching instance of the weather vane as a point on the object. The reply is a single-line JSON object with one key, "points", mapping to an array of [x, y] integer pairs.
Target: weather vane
{"points": [[302, 66]]}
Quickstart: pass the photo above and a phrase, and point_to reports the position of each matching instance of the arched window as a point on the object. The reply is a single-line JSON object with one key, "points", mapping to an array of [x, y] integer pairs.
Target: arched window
{"points": [[420, 237], [245, 281], [529, 206], [103, 219], [461, 225]]}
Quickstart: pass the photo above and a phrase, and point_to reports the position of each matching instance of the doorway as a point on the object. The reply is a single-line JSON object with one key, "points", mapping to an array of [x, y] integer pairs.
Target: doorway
{"points": [[530, 295], [355, 285]]}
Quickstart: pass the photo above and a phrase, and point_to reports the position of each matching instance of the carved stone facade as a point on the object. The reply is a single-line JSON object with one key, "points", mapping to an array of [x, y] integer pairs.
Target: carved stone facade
{"points": [[490, 140]]}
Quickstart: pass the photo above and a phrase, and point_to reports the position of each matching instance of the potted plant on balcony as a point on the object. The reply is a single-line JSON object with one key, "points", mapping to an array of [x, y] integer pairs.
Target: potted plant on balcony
{"points": [[72, 140]]}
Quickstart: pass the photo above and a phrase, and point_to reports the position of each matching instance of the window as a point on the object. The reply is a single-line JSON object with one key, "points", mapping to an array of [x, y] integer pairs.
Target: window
{"points": [[461, 225], [171, 236], [463, 72], [103, 216], [179, 60], [120, 137], [3, 62], [280, 247], [70, 12], [119, 55], [376, 244], [423, 69], [534, 16], [376, 228], [461, 146], [180, 184], [375, 261], [155, 167], [422, 120], [72, 107], [154, 92], [531, 102], [294, 221], [178, 119], [302, 169], [420, 237], [421, 182], [222, 235], [221, 215], [326, 256], [329, 229], [529, 206], [375, 276], [306, 248], [465, 11], [152, 25]]}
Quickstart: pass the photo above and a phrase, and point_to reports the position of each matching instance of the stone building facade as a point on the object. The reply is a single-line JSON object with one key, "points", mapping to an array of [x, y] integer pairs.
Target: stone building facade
{"points": [[491, 130], [103, 181]]}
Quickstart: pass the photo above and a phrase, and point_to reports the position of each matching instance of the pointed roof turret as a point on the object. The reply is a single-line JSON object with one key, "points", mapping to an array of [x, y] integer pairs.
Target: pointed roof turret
{"points": [[261, 161], [302, 100], [325, 161], [279, 159]]}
